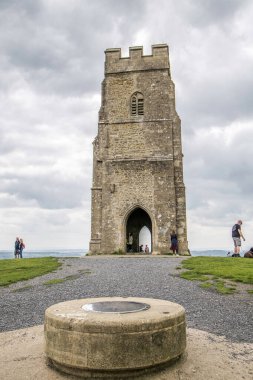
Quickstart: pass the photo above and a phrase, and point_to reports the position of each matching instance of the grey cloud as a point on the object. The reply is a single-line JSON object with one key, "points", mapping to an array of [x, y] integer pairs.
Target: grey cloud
{"points": [[211, 62], [59, 50], [48, 191], [30, 7], [217, 101], [202, 13], [218, 177]]}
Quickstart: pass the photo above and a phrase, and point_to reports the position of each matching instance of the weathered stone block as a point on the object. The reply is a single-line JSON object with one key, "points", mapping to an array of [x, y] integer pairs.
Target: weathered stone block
{"points": [[94, 344]]}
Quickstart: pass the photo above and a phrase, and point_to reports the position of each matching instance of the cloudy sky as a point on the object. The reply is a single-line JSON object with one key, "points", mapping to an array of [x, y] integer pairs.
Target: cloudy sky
{"points": [[51, 68]]}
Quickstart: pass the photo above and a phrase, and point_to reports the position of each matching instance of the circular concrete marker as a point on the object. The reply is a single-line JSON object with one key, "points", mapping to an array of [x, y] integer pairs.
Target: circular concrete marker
{"points": [[127, 338]]}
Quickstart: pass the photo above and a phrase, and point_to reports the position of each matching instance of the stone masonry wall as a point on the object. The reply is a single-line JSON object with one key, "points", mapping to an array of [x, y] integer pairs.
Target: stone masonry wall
{"points": [[138, 159]]}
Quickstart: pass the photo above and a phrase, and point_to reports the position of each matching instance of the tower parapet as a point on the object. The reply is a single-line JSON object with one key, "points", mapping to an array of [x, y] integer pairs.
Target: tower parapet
{"points": [[159, 59]]}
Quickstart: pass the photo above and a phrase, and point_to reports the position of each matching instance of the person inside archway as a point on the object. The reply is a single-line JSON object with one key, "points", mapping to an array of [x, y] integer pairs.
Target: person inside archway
{"points": [[130, 243], [146, 249]]}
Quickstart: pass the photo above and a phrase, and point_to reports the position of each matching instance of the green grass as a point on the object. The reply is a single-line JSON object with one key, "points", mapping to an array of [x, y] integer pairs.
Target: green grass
{"points": [[84, 271], [68, 278], [60, 280], [236, 269], [221, 287], [55, 281], [12, 271], [23, 289], [206, 285], [218, 270], [191, 275]]}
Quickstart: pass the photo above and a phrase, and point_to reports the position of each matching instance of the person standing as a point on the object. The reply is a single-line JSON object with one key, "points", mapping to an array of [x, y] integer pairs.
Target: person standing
{"points": [[21, 247], [174, 242], [146, 249], [17, 248], [237, 235], [130, 243]]}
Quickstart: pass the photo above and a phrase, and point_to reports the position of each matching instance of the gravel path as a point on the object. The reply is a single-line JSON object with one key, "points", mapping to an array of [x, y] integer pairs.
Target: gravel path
{"points": [[23, 304]]}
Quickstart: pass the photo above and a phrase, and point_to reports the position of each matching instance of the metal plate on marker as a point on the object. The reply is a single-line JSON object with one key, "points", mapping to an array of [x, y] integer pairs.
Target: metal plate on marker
{"points": [[121, 307]]}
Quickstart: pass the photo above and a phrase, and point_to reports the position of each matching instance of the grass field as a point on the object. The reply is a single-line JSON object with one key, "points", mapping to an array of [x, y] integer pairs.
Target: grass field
{"points": [[218, 272], [15, 270]]}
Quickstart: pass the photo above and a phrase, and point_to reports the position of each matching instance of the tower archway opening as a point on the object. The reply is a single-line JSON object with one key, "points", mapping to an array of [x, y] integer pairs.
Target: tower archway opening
{"points": [[138, 231], [145, 240]]}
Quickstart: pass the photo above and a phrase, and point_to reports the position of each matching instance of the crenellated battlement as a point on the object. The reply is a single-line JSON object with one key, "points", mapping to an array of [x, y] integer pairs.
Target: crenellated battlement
{"points": [[159, 59]]}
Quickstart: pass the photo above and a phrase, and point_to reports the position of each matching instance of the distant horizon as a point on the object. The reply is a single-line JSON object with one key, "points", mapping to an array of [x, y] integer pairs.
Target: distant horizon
{"points": [[86, 249], [47, 249]]}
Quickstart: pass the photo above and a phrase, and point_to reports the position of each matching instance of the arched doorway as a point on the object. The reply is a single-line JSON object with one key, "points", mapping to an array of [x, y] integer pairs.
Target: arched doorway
{"points": [[138, 219]]}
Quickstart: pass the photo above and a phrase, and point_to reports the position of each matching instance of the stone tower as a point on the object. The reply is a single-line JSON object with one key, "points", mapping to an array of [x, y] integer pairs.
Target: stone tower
{"points": [[137, 163]]}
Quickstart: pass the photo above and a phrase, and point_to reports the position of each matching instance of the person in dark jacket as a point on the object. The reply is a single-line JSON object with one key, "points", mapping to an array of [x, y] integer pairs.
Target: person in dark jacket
{"points": [[130, 243], [174, 242], [249, 254], [17, 248]]}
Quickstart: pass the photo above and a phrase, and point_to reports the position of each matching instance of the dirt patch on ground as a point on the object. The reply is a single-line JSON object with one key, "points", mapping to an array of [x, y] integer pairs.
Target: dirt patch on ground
{"points": [[207, 357]]}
